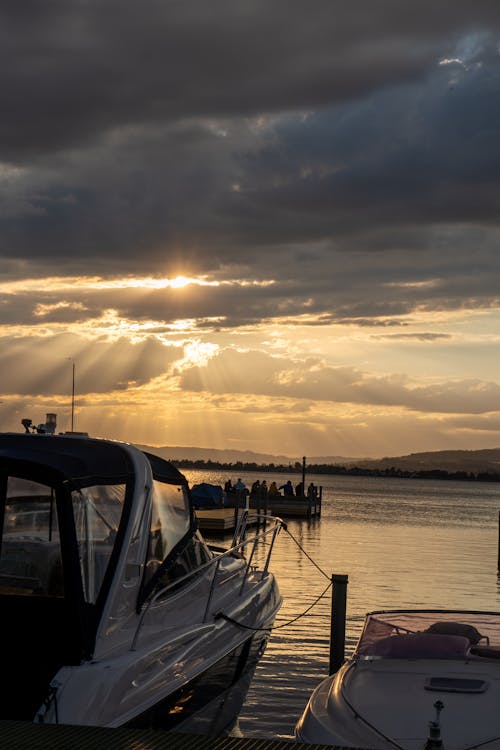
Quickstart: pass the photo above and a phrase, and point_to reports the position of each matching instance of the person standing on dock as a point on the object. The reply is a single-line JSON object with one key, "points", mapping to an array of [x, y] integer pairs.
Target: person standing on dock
{"points": [[299, 490], [241, 492], [273, 489], [287, 489], [255, 488], [311, 491]]}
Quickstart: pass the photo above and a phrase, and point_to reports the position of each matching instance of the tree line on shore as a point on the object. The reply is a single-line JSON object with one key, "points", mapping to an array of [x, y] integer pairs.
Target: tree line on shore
{"points": [[296, 468]]}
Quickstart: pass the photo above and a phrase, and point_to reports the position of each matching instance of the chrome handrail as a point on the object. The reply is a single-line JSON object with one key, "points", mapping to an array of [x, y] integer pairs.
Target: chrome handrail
{"points": [[276, 525]]}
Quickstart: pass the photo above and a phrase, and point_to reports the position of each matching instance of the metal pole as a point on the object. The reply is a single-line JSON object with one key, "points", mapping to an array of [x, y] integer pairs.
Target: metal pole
{"points": [[338, 620], [304, 476], [73, 399]]}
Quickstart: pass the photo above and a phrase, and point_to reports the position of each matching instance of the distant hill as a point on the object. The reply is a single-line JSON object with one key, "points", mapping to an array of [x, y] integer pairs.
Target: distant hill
{"points": [[478, 461], [474, 461], [178, 453], [339, 460]]}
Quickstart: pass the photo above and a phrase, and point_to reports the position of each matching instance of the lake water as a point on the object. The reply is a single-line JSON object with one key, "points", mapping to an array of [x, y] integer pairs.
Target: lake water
{"points": [[403, 543]]}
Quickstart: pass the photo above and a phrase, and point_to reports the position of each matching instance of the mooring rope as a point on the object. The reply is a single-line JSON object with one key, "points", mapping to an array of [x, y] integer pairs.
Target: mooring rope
{"points": [[307, 554], [221, 615]]}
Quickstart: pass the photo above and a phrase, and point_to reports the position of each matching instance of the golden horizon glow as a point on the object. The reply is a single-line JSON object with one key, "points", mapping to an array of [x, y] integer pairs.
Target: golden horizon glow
{"points": [[294, 383], [69, 283]]}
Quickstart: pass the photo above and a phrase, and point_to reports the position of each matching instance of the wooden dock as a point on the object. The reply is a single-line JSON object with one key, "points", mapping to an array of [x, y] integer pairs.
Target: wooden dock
{"points": [[221, 520], [286, 507]]}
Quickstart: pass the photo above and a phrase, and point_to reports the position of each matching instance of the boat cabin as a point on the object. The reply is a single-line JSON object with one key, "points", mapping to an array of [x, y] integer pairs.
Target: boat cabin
{"points": [[89, 530]]}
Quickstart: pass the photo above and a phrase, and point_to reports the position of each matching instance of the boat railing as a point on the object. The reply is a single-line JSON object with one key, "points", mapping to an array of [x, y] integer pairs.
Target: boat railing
{"points": [[272, 527]]}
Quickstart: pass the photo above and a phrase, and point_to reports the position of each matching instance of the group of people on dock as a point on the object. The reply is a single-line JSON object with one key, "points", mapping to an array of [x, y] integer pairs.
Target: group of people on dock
{"points": [[260, 489]]}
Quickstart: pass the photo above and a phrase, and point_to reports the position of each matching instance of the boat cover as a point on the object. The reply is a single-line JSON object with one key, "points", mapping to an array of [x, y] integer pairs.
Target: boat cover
{"points": [[208, 495]]}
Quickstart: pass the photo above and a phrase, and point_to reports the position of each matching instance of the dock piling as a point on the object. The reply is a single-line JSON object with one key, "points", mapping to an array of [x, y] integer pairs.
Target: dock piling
{"points": [[338, 621], [498, 558]]}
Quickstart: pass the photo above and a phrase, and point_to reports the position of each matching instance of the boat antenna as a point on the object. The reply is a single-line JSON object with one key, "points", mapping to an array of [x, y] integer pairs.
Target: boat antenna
{"points": [[434, 741], [72, 395]]}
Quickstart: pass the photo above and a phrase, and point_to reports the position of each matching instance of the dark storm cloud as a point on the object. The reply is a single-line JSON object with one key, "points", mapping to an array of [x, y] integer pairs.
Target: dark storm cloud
{"points": [[133, 144], [72, 70]]}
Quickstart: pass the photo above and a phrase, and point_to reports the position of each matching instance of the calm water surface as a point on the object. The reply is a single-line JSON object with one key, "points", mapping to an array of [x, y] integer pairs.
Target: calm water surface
{"points": [[403, 543]]}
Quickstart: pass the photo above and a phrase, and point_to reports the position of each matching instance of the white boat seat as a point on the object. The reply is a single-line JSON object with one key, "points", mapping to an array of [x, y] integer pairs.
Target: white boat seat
{"points": [[419, 646]]}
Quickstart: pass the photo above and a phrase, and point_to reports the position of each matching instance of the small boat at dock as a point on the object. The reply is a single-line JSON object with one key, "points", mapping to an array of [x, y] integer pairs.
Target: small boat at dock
{"points": [[115, 610], [416, 680]]}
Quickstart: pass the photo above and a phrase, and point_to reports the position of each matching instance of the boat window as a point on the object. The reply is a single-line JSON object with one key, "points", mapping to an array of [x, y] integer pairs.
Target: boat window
{"points": [[97, 511], [170, 520], [30, 560], [170, 523]]}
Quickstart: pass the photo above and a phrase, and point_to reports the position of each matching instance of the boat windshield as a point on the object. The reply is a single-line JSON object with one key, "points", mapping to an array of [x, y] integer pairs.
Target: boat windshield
{"points": [[174, 548], [97, 511], [430, 634]]}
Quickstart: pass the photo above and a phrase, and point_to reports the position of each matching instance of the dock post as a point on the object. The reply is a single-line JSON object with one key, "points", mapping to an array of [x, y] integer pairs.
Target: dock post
{"points": [[304, 492], [498, 559], [338, 621]]}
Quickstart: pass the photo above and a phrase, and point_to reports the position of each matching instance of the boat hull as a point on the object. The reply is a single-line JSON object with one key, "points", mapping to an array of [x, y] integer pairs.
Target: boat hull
{"points": [[379, 703], [203, 671]]}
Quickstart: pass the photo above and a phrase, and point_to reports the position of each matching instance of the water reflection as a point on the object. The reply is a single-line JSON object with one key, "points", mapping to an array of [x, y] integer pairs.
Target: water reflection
{"points": [[403, 543]]}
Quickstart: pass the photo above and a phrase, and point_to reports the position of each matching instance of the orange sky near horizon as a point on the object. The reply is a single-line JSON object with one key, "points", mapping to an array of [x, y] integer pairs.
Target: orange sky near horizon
{"points": [[283, 386]]}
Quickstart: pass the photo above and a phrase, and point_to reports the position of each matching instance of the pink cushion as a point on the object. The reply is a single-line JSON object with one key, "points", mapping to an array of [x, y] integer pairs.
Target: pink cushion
{"points": [[419, 646]]}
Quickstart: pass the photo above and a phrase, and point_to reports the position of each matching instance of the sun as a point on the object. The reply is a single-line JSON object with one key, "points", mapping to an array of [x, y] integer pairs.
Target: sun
{"points": [[179, 282]]}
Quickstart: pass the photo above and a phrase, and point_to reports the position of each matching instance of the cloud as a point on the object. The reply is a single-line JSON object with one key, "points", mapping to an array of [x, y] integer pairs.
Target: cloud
{"points": [[81, 69], [178, 139], [236, 372], [40, 366]]}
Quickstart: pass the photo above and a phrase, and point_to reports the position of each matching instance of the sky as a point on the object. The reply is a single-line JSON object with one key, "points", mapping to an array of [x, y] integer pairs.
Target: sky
{"points": [[258, 225]]}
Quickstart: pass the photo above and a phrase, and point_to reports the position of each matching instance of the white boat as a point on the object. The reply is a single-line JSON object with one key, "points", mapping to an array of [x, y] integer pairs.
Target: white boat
{"points": [[115, 611], [417, 679]]}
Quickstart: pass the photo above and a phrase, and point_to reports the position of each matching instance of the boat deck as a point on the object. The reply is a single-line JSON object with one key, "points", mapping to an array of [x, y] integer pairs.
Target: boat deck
{"points": [[17, 735]]}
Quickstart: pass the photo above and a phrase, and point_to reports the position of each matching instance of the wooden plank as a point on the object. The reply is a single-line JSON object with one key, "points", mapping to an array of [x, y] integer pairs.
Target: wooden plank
{"points": [[220, 519], [216, 519]]}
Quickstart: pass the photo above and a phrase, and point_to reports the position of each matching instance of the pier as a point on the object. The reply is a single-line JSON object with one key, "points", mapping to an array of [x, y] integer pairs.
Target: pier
{"points": [[285, 507], [220, 520]]}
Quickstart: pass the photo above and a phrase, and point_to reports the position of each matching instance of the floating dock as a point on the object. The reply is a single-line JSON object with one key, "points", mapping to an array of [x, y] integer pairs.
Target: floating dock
{"points": [[220, 520], [293, 506], [300, 507]]}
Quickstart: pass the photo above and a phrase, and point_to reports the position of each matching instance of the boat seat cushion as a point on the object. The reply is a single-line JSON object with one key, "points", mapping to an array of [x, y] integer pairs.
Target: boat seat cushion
{"points": [[419, 646], [456, 628]]}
